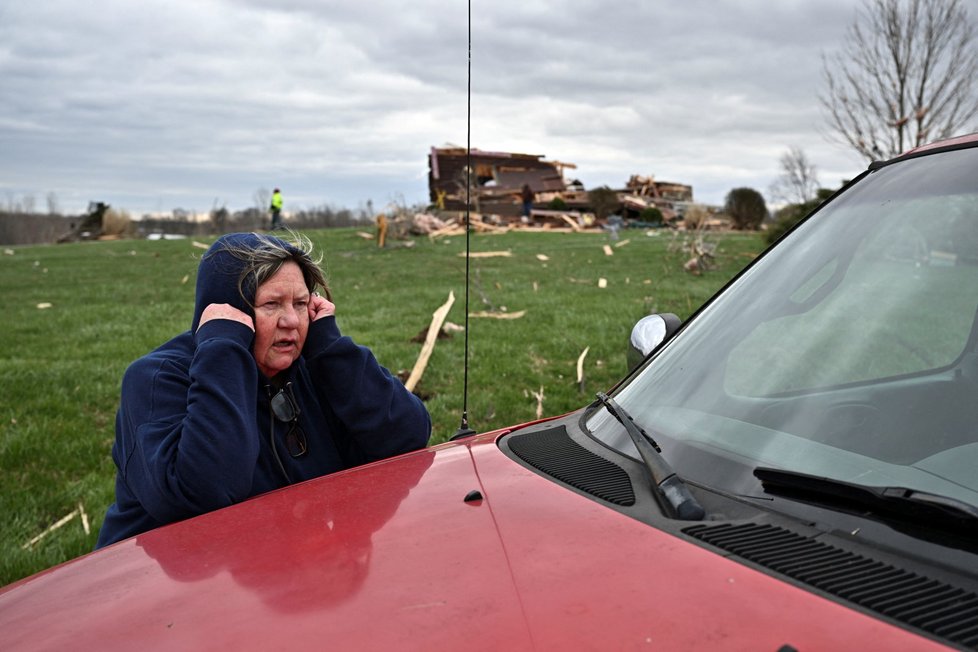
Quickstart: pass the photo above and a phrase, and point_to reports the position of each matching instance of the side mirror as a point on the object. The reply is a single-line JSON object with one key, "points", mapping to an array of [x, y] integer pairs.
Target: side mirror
{"points": [[648, 333]]}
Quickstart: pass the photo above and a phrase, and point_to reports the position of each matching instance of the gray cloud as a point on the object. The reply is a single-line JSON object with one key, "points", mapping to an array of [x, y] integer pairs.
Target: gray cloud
{"points": [[155, 105]]}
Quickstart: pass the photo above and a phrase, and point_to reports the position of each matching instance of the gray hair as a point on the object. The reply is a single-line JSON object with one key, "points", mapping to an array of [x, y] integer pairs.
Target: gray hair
{"points": [[262, 259]]}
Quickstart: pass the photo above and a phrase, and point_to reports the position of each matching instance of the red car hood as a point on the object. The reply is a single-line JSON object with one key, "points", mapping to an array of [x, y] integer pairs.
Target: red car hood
{"points": [[393, 556]]}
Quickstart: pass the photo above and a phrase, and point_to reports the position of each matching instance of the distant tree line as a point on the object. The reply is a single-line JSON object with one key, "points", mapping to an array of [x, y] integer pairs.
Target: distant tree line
{"points": [[20, 226], [17, 227]]}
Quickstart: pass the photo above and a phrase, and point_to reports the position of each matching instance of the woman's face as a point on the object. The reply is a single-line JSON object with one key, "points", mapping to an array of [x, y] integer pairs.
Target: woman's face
{"points": [[281, 319]]}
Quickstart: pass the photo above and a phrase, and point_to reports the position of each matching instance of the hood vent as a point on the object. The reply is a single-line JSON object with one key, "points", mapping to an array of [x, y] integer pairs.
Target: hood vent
{"points": [[553, 452], [930, 605]]}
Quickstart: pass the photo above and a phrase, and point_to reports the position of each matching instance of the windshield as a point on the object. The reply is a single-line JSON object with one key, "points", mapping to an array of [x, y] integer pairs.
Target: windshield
{"points": [[847, 352]]}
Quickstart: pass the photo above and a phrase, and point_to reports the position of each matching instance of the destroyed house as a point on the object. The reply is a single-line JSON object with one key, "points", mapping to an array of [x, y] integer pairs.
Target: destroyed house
{"points": [[643, 192], [497, 179], [644, 186]]}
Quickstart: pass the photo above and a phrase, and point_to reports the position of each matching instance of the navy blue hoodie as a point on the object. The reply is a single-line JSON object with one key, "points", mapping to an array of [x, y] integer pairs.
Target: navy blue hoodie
{"points": [[194, 430]]}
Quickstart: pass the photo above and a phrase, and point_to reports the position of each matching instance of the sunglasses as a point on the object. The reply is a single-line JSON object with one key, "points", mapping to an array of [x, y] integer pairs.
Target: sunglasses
{"points": [[286, 410]]}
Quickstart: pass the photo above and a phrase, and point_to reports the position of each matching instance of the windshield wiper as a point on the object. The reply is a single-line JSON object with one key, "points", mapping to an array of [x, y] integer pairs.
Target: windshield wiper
{"points": [[670, 491], [889, 503]]}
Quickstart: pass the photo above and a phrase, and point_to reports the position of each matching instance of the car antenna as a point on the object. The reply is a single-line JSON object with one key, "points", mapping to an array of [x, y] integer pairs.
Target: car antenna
{"points": [[464, 430]]}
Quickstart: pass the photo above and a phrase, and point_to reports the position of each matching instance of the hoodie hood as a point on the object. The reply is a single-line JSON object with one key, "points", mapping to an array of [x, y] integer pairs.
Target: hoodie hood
{"points": [[220, 271]]}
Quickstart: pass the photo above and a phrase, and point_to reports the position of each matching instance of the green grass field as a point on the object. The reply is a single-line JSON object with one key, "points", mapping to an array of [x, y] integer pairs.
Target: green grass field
{"points": [[110, 302]]}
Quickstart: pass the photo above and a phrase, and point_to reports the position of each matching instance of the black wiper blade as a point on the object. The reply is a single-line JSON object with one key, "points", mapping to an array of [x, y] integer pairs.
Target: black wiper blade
{"points": [[900, 503], [670, 491]]}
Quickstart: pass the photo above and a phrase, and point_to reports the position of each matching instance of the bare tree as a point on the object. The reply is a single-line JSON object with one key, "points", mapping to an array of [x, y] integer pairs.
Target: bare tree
{"points": [[262, 199], [52, 199], [798, 182], [906, 76], [220, 216]]}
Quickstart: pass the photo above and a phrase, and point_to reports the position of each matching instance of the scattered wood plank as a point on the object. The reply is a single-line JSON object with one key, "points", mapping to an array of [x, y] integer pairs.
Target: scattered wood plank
{"points": [[498, 315], [487, 254], [64, 520], [381, 230], [602, 283], [200, 245], [84, 518], [549, 229], [573, 223], [608, 251], [437, 319], [622, 243], [451, 229], [580, 368], [539, 397], [365, 235], [479, 225]]}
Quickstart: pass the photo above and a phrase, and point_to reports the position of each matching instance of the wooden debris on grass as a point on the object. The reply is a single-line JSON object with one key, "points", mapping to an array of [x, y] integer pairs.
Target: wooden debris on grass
{"points": [[44, 305], [200, 245], [498, 315], [580, 368], [381, 230], [365, 235], [479, 225], [702, 254], [602, 283], [573, 224], [458, 228], [543, 257], [702, 259], [487, 254], [84, 518], [437, 319], [64, 520], [608, 251], [539, 397], [622, 243]]}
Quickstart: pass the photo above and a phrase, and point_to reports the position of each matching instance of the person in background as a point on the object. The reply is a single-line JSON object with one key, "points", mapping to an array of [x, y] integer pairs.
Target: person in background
{"points": [[261, 392], [276, 209], [526, 194]]}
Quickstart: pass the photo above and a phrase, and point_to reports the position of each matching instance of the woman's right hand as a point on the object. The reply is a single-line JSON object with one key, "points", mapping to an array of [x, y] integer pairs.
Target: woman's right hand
{"points": [[225, 311], [320, 306]]}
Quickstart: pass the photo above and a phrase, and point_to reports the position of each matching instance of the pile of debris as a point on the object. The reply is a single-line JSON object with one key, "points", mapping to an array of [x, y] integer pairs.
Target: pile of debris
{"points": [[90, 226], [497, 179]]}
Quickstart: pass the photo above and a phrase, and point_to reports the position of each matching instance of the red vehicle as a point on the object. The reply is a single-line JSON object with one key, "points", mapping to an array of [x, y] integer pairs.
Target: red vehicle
{"points": [[794, 468]]}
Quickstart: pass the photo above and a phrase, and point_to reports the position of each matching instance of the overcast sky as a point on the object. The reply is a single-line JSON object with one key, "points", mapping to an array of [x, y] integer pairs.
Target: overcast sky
{"points": [[159, 104]]}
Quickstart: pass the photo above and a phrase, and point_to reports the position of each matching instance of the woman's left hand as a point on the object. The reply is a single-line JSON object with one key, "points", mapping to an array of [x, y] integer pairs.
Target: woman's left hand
{"points": [[319, 307]]}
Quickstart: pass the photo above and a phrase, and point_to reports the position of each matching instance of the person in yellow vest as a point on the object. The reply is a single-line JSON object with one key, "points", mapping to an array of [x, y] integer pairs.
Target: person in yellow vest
{"points": [[276, 209]]}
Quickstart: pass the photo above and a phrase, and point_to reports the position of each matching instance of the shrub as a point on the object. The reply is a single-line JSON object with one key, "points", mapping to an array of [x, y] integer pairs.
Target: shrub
{"points": [[695, 216], [789, 215], [651, 215], [746, 208], [557, 204], [116, 223], [604, 201]]}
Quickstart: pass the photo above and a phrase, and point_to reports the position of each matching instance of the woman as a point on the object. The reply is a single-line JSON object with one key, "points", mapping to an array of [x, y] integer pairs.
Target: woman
{"points": [[261, 392]]}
